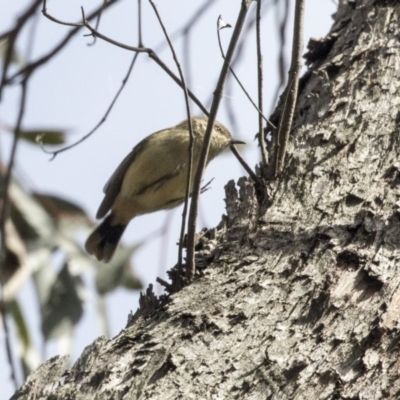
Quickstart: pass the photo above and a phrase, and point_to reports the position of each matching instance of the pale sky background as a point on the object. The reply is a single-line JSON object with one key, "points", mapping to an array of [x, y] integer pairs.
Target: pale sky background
{"points": [[73, 92]]}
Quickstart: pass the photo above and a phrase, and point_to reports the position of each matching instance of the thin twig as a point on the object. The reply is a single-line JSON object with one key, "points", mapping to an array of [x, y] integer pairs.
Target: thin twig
{"points": [[31, 36], [282, 38], [55, 153], [207, 137], [150, 53], [234, 150], [261, 139], [137, 50], [252, 174], [58, 21], [164, 241], [11, 40], [286, 119], [98, 22], [191, 22], [191, 136], [140, 32], [3, 218], [104, 118], [31, 67], [272, 126]]}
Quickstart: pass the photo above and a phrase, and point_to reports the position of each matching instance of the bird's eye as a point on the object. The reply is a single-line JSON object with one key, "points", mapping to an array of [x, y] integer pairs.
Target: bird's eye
{"points": [[217, 128]]}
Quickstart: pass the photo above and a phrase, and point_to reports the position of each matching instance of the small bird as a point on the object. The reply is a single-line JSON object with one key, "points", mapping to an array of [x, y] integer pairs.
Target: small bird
{"points": [[152, 177]]}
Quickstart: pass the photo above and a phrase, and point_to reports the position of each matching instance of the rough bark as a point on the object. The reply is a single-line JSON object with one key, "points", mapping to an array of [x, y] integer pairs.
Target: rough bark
{"points": [[301, 300]]}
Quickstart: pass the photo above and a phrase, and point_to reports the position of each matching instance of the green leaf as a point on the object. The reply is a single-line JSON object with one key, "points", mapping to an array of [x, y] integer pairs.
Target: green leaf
{"points": [[64, 306], [59, 207], [22, 329], [15, 57], [118, 272], [50, 137], [29, 357], [29, 217]]}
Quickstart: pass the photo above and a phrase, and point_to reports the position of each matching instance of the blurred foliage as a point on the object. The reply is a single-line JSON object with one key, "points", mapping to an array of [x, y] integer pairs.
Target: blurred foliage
{"points": [[50, 137], [44, 235], [15, 56]]}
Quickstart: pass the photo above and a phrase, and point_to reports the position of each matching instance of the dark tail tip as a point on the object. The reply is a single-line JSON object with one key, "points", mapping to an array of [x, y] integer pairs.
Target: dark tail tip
{"points": [[103, 241]]}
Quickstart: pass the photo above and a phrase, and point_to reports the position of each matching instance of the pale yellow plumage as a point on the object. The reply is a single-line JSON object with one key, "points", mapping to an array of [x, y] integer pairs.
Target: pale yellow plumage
{"points": [[152, 177]]}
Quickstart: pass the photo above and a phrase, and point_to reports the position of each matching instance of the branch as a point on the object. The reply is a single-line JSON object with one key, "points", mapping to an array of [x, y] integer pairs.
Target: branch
{"points": [[286, 120], [3, 218], [150, 53], [281, 28], [137, 50], [98, 22], [11, 37], [272, 126], [191, 138], [29, 68], [55, 153], [252, 174], [261, 139], [234, 150], [207, 137], [111, 106]]}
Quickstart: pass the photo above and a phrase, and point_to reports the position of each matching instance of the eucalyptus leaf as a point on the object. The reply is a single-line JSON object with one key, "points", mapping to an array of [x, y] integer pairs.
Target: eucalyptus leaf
{"points": [[29, 357], [49, 137], [59, 207], [15, 56], [118, 272], [64, 306]]}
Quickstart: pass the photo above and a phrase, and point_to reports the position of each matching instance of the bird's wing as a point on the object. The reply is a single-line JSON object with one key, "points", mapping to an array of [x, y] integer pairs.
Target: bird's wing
{"points": [[113, 185]]}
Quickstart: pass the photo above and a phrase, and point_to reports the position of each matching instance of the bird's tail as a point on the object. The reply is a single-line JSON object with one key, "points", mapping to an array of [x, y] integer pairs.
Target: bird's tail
{"points": [[103, 241]]}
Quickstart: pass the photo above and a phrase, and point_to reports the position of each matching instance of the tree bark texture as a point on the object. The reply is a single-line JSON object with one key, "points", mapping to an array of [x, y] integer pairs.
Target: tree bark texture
{"points": [[300, 300]]}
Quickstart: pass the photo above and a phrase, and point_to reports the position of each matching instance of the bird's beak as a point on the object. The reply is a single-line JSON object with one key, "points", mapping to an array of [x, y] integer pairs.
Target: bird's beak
{"points": [[235, 141]]}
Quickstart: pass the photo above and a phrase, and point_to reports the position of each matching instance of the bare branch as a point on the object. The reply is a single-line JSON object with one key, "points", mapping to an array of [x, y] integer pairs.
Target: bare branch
{"points": [[124, 81], [251, 173], [3, 218], [31, 67], [98, 22], [137, 50], [191, 140], [140, 32], [286, 119], [282, 38], [272, 126], [11, 37], [58, 21], [150, 53], [261, 139], [207, 138], [193, 20], [234, 150], [103, 119]]}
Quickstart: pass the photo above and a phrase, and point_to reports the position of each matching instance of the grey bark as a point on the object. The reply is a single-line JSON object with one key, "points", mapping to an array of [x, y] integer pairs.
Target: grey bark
{"points": [[300, 300]]}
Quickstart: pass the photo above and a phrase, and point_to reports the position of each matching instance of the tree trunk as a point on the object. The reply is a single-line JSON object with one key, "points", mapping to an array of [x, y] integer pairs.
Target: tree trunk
{"points": [[300, 300]]}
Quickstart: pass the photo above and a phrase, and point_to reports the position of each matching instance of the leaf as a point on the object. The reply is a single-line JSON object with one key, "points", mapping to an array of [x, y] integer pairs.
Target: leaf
{"points": [[64, 306], [50, 137], [118, 272], [15, 270], [22, 329], [15, 253], [28, 355], [59, 207], [29, 217], [15, 57]]}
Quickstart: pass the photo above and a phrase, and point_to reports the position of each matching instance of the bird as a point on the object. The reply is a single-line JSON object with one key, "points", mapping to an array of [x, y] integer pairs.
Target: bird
{"points": [[152, 177]]}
